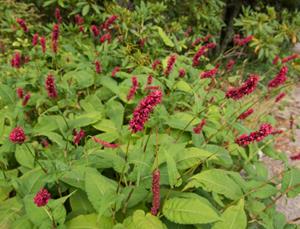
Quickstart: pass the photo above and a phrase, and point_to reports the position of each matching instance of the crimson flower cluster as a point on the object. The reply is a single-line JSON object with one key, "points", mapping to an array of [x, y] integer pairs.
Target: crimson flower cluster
{"points": [[95, 30], [58, 15], [256, 136], [79, 21], [199, 127], [289, 58], [17, 135], [105, 144], [20, 94], [108, 22], [276, 60], [78, 135], [42, 198], [279, 79], [105, 37], [201, 39], [155, 192], [230, 65], [115, 71], [133, 88], [201, 51], [155, 64], [279, 97], [35, 39], [50, 86], [181, 72], [149, 80], [22, 24], [170, 65], [237, 40], [295, 157], [246, 114], [245, 89], [55, 34], [43, 44], [210, 73], [98, 66], [142, 112], [16, 60]]}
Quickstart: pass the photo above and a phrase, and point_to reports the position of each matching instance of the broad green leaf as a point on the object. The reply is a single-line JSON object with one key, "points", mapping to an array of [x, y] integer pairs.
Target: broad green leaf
{"points": [[91, 221], [7, 94], [105, 125], [233, 217], [173, 174], [181, 120], [216, 180], [9, 212], [80, 203], [85, 10], [100, 190], [189, 211], [85, 119], [146, 221], [75, 177], [32, 181], [291, 181], [183, 86], [165, 37], [115, 111], [24, 157]]}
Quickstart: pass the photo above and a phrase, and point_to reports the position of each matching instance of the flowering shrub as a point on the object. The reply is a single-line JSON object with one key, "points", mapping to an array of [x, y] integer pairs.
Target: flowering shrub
{"points": [[98, 131]]}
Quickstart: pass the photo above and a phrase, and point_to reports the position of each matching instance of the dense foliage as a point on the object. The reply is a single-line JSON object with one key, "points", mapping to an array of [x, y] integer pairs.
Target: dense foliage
{"points": [[115, 117]]}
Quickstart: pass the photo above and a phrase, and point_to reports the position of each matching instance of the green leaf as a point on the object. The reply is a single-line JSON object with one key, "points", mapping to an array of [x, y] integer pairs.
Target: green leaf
{"points": [[216, 180], [233, 217], [291, 181], [91, 221], [85, 119], [165, 37], [24, 157], [100, 190], [115, 111], [85, 10], [80, 203], [7, 94], [189, 211], [9, 212], [181, 119], [173, 174], [146, 221], [183, 86]]}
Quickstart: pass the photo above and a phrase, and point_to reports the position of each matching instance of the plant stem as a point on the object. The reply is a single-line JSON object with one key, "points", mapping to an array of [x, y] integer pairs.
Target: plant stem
{"points": [[50, 214], [35, 158]]}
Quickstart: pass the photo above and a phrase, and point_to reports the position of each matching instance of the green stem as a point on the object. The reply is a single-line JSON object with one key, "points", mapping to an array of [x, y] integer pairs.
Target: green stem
{"points": [[35, 158]]}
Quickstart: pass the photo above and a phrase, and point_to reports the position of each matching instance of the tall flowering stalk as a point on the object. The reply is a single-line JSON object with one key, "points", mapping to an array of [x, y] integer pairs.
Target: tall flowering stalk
{"points": [[22, 24], [279, 79], [276, 60], [78, 135], [181, 72], [155, 64], [142, 112], [26, 99], [108, 22], [201, 51], [170, 65], [155, 192], [245, 89], [20, 93], [256, 136], [95, 30], [105, 37], [133, 88], [42, 198], [51, 87], [115, 71]]}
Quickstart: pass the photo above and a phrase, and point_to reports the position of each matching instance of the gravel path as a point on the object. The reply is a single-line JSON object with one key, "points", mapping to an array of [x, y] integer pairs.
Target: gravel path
{"points": [[289, 142]]}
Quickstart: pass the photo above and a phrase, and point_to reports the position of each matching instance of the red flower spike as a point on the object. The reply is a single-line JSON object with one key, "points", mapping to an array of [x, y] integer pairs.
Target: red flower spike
{"points": [[22, 24], [98, 66], [115, 71], [246, 114], [42, 197], [181, 72], [295, 157], [142, 112], [26, 99], [198, 128], [17, 135], [289, 58], [35, 39], [78, 136], [230, 65], [210, 73], [105, 144], [95, 30], [257, 136], [155, 192], [170, 65], [51, 87], [105, 37], [43, 44], [276, 60], [133, 88], [58, 15], [16, 60], [242, 41], [109, 22], [247, 88], [155, 64], [149, 80], [20, 93], [279, 97], [279, 79]]}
